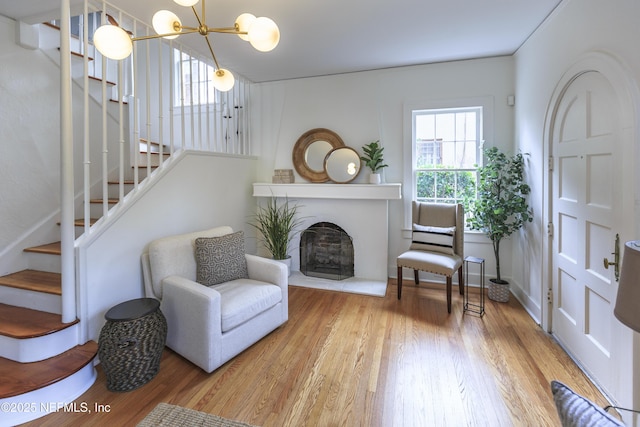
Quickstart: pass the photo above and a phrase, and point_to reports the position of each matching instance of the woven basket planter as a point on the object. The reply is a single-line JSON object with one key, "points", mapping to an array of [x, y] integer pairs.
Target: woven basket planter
{"points": [[498, 291]]}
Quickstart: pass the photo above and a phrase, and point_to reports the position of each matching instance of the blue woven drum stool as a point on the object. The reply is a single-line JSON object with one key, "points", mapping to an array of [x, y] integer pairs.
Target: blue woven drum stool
{"points": [[131, 343]]}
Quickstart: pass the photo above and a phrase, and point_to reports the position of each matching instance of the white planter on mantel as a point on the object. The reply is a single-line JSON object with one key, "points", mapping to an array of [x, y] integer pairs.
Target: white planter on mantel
{"points": [[329, 191], [375, 178]]}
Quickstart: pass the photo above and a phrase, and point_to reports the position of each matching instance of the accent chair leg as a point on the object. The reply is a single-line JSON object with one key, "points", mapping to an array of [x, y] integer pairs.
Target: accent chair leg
{"points": [[415, 276], [399, 282], [461, 281], [449, 294]]}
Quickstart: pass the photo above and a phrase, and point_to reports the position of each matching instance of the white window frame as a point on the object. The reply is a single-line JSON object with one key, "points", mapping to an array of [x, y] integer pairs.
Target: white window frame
{"points": [[206, 94], [409, 138]]}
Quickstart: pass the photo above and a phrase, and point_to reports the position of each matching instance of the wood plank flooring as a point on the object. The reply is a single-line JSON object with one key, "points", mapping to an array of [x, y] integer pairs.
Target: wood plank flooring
{"points": [[355, 360]]}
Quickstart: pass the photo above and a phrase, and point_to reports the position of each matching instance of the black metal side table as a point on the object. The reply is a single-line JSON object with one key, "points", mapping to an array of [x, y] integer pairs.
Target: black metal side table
{"points": [[131, 343], [477, 308]]}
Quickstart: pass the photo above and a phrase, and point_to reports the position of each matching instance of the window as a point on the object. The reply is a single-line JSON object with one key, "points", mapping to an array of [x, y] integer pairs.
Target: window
{"points": [[195, 82], [446, 152]]}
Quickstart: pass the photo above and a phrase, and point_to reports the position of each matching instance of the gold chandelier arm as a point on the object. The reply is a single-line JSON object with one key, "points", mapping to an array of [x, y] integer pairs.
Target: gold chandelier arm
{"points": [[226, 30], [157, 36], [211, 50], [196, 14]]}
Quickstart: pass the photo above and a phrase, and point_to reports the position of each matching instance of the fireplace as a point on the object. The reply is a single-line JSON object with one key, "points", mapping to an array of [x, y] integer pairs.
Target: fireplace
{"points": [[326, 251], [361, 210]]}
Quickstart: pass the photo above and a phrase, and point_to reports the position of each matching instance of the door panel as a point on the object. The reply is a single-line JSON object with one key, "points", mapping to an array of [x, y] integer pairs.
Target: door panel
{"points": [[584, 151]]}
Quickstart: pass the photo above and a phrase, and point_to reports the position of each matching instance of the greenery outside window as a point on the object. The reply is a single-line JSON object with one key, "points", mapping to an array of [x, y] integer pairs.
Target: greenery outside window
{"points": [[446, 153]]}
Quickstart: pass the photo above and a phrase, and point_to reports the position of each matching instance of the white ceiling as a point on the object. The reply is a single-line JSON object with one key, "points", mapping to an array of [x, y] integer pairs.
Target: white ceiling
{"points": [[340, 36]]}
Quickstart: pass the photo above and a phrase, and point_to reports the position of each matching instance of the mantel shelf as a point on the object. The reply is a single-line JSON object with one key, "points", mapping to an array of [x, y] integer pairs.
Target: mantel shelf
{"points": [[329, 191]]}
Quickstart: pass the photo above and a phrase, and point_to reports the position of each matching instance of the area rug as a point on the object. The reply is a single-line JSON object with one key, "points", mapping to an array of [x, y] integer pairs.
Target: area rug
{"points": [[352, 285], [177, 416]]}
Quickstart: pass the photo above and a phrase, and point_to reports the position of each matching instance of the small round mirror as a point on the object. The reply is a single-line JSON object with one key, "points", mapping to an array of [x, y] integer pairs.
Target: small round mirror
{"points": [[342, 164], [310, 151]]}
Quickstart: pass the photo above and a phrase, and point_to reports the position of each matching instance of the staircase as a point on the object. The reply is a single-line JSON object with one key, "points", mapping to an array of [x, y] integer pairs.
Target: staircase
{"points": [[43, 364], [41, 359]]}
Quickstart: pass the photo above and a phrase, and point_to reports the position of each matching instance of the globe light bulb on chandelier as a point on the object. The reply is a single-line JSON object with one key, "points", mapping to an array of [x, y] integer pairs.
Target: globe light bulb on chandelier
{"points": [[261, 32]]}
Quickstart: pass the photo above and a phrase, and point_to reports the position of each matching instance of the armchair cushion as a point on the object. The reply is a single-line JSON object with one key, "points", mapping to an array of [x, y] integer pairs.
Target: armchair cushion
{"points": [[220, 259], [244, 299], [432, 262], [435, 239]]}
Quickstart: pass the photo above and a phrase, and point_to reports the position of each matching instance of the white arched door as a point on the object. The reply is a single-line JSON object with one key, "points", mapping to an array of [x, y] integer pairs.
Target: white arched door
{"points": [[586, 216]]}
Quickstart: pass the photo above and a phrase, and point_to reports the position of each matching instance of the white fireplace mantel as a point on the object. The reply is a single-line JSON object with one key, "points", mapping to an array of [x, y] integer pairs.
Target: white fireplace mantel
{"points": [[356, 208], [329, 191]]}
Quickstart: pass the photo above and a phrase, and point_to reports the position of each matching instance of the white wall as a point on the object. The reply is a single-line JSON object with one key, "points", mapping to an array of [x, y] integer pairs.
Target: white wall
{"points": [[366, 106], [29, 140], [576, 28], [196, 192]]}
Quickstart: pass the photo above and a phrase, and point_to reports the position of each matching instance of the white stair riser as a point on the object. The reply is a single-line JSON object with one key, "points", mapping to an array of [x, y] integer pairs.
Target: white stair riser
{"points": [[43, 401], [114, 190], [30, 299], [28, 350], [43, 262], [154, 158]]}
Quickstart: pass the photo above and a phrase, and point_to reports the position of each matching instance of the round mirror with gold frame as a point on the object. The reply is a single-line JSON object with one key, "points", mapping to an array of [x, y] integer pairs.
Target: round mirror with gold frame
{"points": [[342, 164], [310, 151]]}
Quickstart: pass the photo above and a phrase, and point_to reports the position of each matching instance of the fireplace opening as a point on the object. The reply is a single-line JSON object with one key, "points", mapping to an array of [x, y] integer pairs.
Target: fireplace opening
{"points": [[326, 251]]}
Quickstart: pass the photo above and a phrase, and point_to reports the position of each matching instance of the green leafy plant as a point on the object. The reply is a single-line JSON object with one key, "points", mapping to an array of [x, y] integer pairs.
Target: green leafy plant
{"points": [[500, 207], [373, 157], [277, 224]]}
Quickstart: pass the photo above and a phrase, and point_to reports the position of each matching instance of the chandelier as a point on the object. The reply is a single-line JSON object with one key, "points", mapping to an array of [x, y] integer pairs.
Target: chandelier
{"points": [[116, 43]]}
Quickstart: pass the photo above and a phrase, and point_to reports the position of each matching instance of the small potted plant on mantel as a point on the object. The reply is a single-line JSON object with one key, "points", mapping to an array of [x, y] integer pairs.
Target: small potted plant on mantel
{"points": [[500, 207], [277, 224], [373, 159]]}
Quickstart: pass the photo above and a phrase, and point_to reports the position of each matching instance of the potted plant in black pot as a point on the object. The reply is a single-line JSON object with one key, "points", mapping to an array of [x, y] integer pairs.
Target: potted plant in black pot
{"points": [[500, 208], [277, 224], [373, 159]]}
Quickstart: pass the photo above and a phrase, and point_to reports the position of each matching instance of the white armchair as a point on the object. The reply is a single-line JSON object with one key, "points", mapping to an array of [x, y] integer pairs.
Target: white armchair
{"points": [[209, 325]]}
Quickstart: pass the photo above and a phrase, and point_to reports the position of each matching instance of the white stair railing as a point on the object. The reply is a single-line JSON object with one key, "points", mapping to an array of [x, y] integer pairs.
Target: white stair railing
{"points": [[158, 99]]}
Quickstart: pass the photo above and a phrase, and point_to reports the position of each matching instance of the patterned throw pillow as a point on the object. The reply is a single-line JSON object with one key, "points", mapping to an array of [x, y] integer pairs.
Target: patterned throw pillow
{"points": [[578, 411], [220, 259], [435, 239]]}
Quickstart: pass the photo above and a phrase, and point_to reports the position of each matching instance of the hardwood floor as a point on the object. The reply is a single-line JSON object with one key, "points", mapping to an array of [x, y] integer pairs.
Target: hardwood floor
{"points": [[354, 360]]}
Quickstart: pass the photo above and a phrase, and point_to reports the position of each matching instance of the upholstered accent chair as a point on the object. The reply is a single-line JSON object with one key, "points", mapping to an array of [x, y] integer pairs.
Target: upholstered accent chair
{"points": [[437, 244], [244, 297]]}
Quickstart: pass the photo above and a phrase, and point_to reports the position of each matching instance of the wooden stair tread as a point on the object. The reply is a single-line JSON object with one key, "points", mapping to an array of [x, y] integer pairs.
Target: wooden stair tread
{"points": [[98, 79], [49, 248], [110, 201], [34, 280], [79, 55], [164, 153], [125, 182], [21, 323], [19, 378], [80, 221]]}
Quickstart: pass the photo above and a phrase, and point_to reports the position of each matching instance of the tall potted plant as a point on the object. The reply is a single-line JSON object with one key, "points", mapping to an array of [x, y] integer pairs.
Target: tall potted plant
{"points": [[277, 224], [500, 208], [373, 159]]}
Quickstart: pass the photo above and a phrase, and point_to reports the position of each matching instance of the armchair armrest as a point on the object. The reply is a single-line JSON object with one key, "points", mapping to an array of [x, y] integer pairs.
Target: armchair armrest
{"points": [[270, 271], [193, 312], [266, 270]]}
